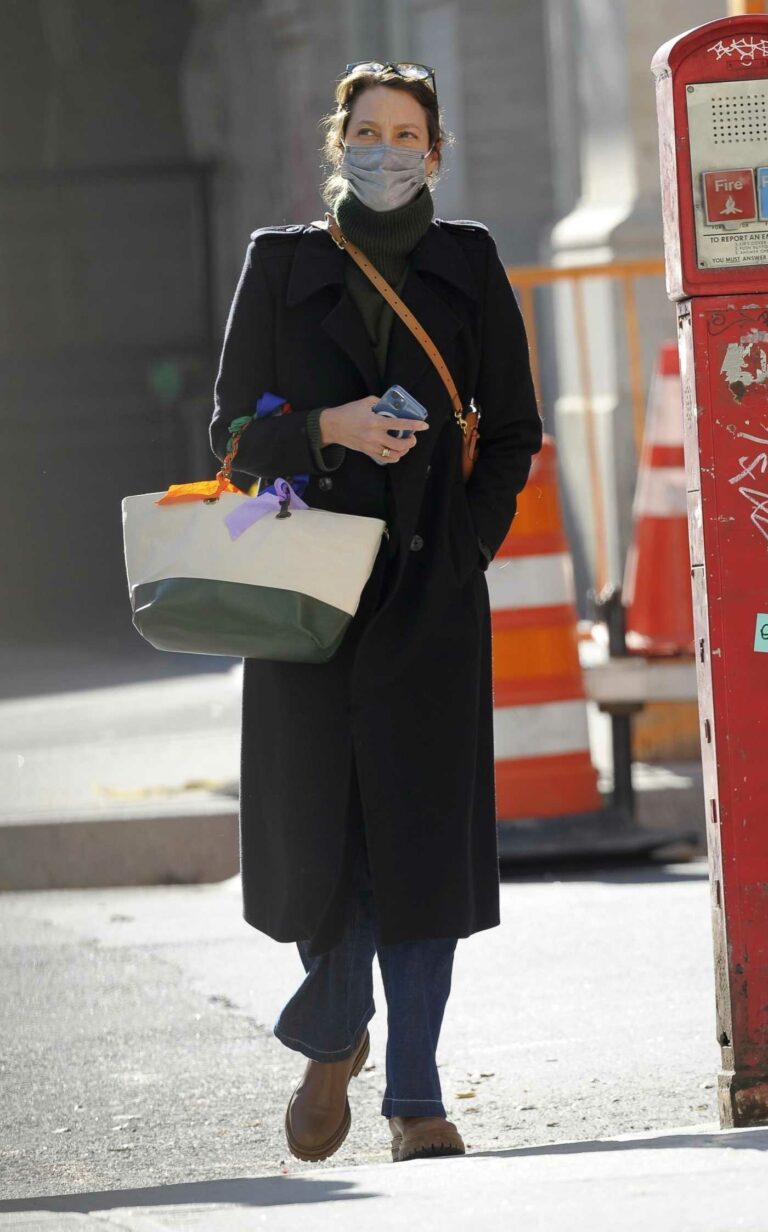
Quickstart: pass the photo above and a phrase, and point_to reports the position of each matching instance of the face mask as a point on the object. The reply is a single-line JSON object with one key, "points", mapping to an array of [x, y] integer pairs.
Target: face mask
{"points": [[383, 176]]}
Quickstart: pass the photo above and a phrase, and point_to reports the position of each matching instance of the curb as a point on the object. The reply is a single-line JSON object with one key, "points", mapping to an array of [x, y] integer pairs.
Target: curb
{"points": [[155, 848]]}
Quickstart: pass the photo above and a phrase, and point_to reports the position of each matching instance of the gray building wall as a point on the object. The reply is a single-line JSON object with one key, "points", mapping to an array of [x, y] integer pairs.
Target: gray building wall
{"points": [[104, 329], [507, 136], [259, 75]]}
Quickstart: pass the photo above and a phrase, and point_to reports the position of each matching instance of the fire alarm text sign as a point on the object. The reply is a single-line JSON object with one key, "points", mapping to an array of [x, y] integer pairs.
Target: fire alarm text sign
{"points": [[729, 196]]}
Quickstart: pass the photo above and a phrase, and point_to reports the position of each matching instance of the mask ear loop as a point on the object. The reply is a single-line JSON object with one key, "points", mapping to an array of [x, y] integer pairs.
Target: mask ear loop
{"points": [[430, 174]]}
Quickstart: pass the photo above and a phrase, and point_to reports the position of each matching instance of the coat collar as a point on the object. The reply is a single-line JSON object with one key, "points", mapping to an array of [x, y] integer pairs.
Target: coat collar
{"points": [[319, 263]]}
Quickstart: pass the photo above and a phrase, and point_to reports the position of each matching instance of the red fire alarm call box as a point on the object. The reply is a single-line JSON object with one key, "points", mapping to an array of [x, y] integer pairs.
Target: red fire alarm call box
{"points": [[712, 95]]}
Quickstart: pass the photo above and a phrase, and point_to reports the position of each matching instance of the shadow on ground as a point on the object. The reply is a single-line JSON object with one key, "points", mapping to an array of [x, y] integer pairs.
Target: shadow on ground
{"points": [[618, 872], [284, 1191], [37, 668]]}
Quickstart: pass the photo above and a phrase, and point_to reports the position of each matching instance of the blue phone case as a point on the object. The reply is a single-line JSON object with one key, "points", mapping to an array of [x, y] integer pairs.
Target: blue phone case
{"points": [[397, 403]]}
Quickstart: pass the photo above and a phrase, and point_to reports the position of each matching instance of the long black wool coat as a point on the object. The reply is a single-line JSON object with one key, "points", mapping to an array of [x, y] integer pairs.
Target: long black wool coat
{"points": [[393, 738]]}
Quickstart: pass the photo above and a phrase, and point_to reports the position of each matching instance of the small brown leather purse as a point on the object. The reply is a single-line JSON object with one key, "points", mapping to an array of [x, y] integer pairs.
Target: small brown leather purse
{"points": [[467, 421]]}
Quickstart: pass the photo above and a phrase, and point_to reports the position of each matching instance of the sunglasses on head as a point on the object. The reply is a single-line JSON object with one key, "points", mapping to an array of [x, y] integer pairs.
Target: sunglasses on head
{"points": [[403, 68]]}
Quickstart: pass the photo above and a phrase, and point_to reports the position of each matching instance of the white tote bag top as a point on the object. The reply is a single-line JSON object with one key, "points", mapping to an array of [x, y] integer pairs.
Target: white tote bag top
{"points": [[315, 552], [239, 576]]}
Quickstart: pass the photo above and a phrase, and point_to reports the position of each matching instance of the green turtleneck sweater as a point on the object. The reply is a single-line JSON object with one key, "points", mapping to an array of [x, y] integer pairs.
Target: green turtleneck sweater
{"points": [[387, 237]]}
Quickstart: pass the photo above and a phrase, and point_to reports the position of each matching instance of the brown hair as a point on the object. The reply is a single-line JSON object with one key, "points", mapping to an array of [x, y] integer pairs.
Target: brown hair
{"points": [[348, 91]]}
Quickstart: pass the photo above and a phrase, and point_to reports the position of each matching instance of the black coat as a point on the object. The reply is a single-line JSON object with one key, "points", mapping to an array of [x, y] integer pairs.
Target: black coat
{"points": [[406, 704]]}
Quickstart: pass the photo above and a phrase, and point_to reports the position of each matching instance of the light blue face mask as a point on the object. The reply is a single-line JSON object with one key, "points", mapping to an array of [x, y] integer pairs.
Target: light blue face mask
{"points": [[384, 176]]}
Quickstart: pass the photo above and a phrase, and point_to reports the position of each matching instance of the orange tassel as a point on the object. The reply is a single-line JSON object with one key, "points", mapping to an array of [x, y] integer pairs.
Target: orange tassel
{"points": [[206, 489]]}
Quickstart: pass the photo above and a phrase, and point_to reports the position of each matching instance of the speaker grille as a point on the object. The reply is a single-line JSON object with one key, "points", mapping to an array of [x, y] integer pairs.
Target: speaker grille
{"points": [[737, 118]]}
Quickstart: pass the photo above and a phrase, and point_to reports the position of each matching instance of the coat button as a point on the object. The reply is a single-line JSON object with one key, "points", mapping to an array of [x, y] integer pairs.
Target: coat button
{"points": [[325, 484], [417, 543], [429, 468]]}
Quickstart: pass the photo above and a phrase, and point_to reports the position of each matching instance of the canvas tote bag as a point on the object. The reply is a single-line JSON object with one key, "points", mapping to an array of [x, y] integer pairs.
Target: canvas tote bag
{"points": [[214, 571]]}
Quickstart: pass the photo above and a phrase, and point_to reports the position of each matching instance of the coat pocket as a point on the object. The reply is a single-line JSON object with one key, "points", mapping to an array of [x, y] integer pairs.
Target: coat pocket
{"points": [[464, 548]]}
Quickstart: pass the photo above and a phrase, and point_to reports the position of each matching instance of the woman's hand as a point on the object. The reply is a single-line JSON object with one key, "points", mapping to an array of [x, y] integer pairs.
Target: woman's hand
{"points": [[353, 424]]}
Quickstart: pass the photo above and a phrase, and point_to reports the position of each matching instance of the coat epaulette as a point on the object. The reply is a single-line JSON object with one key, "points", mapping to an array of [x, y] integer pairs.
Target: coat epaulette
{"points": [[293, 228], [463, 224]]}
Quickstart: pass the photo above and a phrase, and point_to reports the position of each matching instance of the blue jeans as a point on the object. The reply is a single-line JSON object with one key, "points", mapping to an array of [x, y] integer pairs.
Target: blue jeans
{"points": [[326, 1016]]}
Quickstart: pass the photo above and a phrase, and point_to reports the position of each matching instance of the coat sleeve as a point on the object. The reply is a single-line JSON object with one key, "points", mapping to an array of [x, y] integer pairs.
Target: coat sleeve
{"points": [[510, 424], [273, 445]]}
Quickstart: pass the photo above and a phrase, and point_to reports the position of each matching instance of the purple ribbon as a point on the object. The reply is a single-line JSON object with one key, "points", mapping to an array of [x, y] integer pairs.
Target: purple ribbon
{"points": [[248, 512]]}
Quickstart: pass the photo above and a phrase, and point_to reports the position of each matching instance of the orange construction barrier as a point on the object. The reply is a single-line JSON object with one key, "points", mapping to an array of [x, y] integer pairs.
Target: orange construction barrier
{"points": [[543, 763], [657, 580]]}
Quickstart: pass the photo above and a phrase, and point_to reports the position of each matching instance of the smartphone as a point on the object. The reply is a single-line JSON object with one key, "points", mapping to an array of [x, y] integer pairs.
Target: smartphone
{"points": [[397, 403]]}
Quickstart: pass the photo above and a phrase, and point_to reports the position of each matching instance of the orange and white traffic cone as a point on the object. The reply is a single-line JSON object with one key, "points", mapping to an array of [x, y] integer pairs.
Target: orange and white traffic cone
{"points": [[657, 580], [548, 807], [541, 737]]}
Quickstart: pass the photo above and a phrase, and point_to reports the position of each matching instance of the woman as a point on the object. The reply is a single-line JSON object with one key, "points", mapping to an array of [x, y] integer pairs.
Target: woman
{"points": [[367, 817]]}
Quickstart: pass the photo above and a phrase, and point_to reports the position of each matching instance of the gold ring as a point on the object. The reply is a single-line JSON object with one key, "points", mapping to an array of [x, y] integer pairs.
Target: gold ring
{"points": [[385, 452]]}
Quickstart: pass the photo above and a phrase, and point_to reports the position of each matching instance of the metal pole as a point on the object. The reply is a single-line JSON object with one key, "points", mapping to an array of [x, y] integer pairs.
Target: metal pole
{"points": [[608, 607], [737, 7]]}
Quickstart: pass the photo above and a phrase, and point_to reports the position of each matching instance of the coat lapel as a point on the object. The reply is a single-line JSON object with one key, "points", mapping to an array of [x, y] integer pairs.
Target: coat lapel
{"points": [[437, 264], [407, 362], [346, 327], [319, 263]]}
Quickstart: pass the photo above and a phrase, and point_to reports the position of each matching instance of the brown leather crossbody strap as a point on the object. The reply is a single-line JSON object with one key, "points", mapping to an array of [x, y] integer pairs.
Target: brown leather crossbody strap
{"points": [[405, 315]]}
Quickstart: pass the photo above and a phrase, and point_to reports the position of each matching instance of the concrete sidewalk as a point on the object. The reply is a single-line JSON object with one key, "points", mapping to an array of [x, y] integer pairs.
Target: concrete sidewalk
{"points": [[679, 1181], [128, 784], [136, 1044], [136, 783]]}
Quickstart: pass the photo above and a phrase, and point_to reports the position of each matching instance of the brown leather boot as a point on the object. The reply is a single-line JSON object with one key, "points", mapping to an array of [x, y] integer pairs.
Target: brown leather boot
{"points": [[423, 1137], [318, 1118]]}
